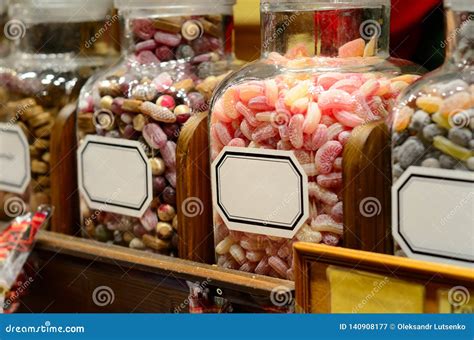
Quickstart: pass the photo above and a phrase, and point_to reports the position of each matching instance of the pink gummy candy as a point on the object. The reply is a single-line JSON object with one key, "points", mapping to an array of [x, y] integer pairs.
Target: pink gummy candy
{"points": [[149, 45], [337, 212], [169, 39], [271, 92], [332, 180], [248, 92], [343, 137], [320, 136], [263, 132], [237, 142], [322, 194], [334, 130], [168, 152], [248, 114], [143, 28], [312, 119], [295, 130], [278, 265], [259, 103], [347, 118], [336, 99], [246, 129], [147, 57], [223, 132], [326, 155], [262, 268]]}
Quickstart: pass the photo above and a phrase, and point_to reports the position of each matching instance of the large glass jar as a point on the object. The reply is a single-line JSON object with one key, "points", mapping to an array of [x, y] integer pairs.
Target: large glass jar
{"points": [[6, 36], [130, 118], [279, 125], [53, 54], [433, 143]]}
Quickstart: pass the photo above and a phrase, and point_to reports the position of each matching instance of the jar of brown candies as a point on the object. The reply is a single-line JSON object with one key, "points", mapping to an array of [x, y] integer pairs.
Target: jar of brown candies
{"points": [[433, 152], [5, 38], [278, 128], [130, 118], [56, 47]]}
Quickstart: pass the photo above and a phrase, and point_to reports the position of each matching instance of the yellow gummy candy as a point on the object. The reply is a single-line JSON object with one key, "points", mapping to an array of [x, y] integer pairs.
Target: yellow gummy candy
{"points": [[442, 121], [429, 104], [445, 145]]}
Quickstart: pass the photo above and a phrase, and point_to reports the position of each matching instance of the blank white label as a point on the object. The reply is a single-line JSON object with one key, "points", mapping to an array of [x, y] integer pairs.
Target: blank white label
{"points": [[433, 215], [114, 175], [260, 191], [15, 170]]}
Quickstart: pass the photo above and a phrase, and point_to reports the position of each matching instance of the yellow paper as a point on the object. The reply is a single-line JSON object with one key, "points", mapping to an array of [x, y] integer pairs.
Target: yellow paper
{"points": [[354, 291], [456, 300]]}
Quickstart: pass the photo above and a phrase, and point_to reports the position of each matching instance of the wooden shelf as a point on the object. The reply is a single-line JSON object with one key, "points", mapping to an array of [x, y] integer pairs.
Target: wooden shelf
{"points": [[72, 268]]}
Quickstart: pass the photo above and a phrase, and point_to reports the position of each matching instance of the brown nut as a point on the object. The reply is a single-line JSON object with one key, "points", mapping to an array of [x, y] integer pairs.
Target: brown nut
{"points": [[158, 166], [39, 167], [187, 85], [85, 122], [46, 157], [139, 122], [155, 243], [40, 120], [131, 105], [164, 230], [41, 144], [44, 131]]}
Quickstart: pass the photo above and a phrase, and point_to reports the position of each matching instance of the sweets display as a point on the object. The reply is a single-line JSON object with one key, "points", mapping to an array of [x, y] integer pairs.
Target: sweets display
{"points": [[45, 72], [171, 65], [307, 106]]}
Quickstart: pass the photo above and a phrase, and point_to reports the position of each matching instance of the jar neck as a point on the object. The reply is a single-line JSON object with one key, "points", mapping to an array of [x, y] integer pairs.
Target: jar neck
{"points": [[459, 40], [214, 29], [315, 30], [66, 40]]}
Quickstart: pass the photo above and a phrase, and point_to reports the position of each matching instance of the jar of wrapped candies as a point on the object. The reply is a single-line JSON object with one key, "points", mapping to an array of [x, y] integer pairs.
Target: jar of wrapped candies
{"points": [[56, 47], [433, 152], [279, 125], [130, 118]]}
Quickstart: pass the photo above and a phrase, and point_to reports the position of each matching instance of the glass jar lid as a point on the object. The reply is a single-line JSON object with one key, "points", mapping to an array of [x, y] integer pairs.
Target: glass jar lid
{"points": [[460, 5]]}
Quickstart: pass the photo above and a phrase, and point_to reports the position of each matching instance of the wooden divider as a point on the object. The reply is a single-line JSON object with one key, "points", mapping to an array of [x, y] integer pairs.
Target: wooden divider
{"points": [[338, 280]]}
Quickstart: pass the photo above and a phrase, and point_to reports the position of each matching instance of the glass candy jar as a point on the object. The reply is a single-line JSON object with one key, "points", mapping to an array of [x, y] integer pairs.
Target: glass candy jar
{"points": [[433, 151], [130, 118], [279, 125], [52, 56]]}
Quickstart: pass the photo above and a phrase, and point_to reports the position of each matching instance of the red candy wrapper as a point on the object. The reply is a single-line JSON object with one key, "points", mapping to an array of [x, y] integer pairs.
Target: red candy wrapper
{"points": [[16, 243]]}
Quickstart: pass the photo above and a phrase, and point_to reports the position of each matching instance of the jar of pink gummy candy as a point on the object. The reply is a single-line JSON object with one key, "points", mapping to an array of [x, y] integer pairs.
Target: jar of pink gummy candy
{"points": [[279, 125], [433, 152], [130, 117]]}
